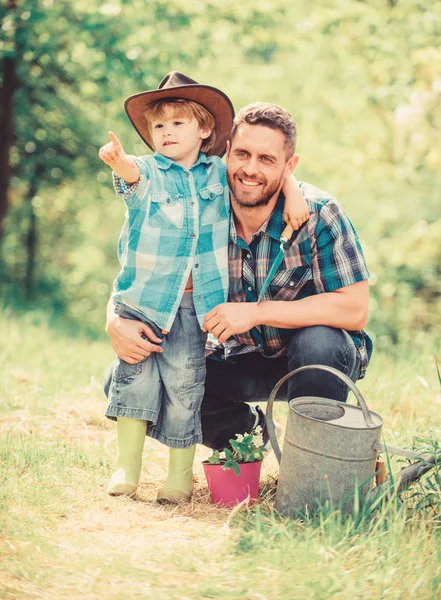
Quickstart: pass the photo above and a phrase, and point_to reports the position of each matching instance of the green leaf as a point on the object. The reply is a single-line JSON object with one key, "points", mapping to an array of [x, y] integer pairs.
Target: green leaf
{"points": [[229, 465], [235, 445], [439, 374], [214, 459], [242, 448], [229, 455], [236, 468]]}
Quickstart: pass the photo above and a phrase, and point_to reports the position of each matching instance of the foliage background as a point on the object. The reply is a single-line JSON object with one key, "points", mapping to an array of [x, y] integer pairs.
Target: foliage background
{"points": [[363, 81]]}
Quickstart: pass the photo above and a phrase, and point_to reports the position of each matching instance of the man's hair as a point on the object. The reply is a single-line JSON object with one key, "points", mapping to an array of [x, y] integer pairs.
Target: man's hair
{"points": [[183, 108], [268, 115]]}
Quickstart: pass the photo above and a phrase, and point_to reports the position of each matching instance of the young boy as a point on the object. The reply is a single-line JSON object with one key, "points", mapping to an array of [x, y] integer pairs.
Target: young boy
{"points": [[174, 269]]}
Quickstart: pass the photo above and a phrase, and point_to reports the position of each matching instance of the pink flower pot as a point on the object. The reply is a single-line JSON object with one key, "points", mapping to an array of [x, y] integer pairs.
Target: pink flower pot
{"points": [[228, 489]]}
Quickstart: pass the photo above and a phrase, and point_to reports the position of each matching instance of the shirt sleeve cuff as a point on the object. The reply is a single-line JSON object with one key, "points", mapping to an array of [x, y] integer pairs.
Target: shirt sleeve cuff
{"points": [[124, 189], [132, 192]]}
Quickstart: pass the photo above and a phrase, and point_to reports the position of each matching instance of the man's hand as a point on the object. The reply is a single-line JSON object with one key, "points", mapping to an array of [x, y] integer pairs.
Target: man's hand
{"points": [[231, 318], [125, 335], [113, 155]]}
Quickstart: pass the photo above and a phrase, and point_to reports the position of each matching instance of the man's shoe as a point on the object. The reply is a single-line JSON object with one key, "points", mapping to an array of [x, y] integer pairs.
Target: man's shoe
{"points": [[265, 435], [262, 424]]}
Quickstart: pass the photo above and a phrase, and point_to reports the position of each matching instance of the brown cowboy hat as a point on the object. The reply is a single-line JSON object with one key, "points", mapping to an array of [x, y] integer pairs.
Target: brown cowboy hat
{"points": [[177, 85]]}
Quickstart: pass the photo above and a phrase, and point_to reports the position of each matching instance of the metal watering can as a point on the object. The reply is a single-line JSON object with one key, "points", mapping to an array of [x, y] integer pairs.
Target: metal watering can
{"points": [[330, 449]]}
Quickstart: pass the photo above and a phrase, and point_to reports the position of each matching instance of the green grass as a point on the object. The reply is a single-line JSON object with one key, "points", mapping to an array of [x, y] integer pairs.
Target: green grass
{"points": [[62, 537]]}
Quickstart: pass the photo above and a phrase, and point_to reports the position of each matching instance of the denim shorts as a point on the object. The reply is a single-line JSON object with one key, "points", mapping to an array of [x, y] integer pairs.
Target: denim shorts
{"points": [[165, 389]]}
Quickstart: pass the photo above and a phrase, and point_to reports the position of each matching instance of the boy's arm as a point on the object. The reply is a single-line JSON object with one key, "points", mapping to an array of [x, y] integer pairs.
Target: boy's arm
{"points": [[296, 209], [113, 155]]}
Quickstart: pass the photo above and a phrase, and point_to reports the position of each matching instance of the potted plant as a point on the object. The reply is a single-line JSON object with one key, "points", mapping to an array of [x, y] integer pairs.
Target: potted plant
{"points": [[233, 475]]}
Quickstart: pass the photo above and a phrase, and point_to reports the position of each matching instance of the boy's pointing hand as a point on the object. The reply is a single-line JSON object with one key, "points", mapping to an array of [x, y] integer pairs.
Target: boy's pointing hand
{"points": [[113, 155], [113, 151]]}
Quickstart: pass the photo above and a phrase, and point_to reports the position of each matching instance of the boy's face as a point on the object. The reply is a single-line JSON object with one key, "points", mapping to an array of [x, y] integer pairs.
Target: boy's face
{"points": [[178, 137]]}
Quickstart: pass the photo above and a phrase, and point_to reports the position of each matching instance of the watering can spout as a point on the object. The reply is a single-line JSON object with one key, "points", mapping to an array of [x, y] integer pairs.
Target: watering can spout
{"points": [[396, 450]]}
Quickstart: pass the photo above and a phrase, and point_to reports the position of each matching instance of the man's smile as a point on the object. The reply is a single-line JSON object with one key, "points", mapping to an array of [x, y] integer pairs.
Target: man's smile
{"points": [[249, 182], [252, 189]]}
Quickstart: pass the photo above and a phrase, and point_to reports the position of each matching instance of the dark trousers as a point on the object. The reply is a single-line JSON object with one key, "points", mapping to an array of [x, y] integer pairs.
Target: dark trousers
{"points": [[231, 383]]}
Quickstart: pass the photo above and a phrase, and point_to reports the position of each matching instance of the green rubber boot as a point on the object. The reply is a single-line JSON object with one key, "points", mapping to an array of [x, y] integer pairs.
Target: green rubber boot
{"points": [[178, 486], [131, 438]]}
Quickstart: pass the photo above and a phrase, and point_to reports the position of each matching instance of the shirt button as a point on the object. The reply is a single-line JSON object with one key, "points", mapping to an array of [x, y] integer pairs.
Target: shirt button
{"points": [[248, 255], [187, 174], [196, 266], [193, 235], [192, 202], [250, 289], [291, 283], [168, 200], [199, 297]]}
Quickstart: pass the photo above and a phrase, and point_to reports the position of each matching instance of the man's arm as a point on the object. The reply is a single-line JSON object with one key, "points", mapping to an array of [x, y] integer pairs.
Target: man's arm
{"points": [[125, 335], [345, 308]]}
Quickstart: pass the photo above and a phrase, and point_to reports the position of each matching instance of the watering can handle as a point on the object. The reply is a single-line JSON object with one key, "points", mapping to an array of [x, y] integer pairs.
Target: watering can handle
{"points": [[272, 396]]}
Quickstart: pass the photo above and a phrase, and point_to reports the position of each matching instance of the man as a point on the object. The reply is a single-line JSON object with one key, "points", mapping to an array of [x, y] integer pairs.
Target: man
{"points": [[317, 302]]}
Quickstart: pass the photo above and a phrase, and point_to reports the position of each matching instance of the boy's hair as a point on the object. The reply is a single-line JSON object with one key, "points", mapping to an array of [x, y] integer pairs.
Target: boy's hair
{"points": [[268, 115], [184, 108]]}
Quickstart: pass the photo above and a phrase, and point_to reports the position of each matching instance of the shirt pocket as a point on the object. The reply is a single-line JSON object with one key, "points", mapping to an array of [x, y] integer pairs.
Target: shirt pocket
{"points": [[166, 210], [288, 284], [212, 204]]}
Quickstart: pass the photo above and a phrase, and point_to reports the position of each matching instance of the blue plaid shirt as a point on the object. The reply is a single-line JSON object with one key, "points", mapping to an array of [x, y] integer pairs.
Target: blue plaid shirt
{"points": [[177, 224], [323, 256]]}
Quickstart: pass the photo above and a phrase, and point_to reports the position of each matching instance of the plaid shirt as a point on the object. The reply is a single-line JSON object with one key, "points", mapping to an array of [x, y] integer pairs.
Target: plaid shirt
{"points": [[176, 224], [323, 256]]}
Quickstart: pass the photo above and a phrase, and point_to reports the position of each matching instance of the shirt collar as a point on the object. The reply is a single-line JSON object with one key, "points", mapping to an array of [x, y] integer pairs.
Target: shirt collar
{"points": [[273, 226], [165, 163]]}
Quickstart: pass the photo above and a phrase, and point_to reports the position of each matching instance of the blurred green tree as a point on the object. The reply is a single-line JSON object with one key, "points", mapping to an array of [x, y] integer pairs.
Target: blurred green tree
{"points": [[53, 68], [363, 80], [62, 63]]}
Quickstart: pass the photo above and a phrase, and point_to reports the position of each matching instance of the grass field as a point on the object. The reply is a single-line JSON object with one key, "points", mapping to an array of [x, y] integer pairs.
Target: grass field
{"points": [[62, 537]]}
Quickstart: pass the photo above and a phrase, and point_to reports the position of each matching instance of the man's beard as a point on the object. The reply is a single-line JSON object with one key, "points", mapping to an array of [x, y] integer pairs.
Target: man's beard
{"points": [[267, 193]]}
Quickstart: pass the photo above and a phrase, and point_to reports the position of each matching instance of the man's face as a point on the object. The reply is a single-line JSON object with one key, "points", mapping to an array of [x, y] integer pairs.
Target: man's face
{"points": [[257, 164]]}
